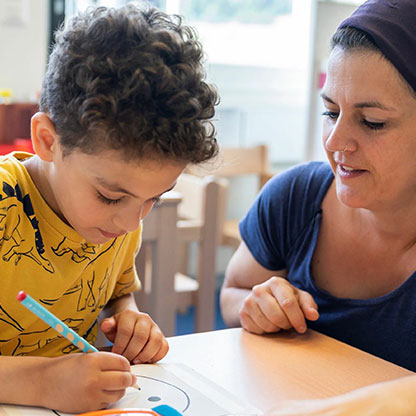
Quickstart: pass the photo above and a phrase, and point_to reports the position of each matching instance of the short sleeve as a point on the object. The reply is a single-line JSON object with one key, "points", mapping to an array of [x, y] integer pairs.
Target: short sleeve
{"points": [[128, 281], [281, 211]]}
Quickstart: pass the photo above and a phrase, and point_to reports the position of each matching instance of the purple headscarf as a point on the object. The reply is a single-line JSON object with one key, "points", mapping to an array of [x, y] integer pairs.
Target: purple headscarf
{"points": [[391, 24]]}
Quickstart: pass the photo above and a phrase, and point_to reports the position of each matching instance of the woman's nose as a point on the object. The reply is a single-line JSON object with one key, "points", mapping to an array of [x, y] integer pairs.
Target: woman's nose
{"points": [[336, 136]]}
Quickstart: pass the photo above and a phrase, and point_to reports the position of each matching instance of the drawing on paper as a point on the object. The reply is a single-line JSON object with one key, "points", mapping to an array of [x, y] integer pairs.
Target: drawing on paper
{"points": [[160, 386], [154, 392], [174, 385]]}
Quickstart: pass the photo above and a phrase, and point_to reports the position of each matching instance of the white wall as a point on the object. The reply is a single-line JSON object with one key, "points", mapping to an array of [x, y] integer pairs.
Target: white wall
{"points": [[262, 105], [23, 46], [277, 106], [326, 17]]}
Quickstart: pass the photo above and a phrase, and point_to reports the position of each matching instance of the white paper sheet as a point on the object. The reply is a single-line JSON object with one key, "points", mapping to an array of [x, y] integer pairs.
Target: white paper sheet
{"points": [[173, 384]]}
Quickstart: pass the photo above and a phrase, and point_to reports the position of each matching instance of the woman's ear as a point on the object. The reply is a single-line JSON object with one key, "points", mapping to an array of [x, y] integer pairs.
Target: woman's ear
{"points": [[44, 137]]}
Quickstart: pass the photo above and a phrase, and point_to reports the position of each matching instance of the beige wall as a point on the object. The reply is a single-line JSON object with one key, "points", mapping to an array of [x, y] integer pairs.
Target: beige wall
{"points": [[23, 46]]}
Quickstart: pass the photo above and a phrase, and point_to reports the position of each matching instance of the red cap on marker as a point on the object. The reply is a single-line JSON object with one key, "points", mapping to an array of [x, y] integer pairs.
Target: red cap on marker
{"points": [[21, 296]]}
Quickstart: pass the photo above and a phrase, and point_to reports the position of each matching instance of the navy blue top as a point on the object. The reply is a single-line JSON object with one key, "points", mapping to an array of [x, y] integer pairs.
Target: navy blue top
{"points": [[281, 231]]}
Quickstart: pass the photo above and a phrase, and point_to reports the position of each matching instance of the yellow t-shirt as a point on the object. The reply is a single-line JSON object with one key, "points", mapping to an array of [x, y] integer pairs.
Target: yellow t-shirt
{"points": [[50, 261]]}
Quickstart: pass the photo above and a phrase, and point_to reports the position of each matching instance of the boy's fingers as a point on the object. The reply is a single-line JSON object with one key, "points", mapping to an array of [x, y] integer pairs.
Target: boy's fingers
{"points": [[139, 337], [113, 362], [289, 304], [108, 325], [123, 337], [164, 349], [148, 353], [117, 380]]}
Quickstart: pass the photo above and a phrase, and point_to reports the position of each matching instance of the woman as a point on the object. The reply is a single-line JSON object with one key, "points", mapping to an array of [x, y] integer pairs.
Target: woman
{"points": [[333, 246], [392, 398]]}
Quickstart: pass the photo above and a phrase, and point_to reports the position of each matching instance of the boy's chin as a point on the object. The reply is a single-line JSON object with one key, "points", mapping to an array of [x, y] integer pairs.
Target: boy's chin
{"points": [[94, 238]]}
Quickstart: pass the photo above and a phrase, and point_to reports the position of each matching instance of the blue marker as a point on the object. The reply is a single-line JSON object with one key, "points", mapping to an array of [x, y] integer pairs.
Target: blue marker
{"points": [[55, 323], [165, 410]]}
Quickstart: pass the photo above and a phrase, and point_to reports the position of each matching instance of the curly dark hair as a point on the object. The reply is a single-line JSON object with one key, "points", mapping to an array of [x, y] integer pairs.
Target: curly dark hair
{"points": [[130, 79]]}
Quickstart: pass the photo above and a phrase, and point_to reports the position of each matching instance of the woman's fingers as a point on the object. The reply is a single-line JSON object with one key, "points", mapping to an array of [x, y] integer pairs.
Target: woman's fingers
{"points": [[254, 320], [308, 305], [287, 297], [276, 304]]}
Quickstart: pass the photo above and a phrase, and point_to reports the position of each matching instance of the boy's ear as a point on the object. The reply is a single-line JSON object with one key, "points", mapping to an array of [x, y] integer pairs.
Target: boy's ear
{"points": [[44, 137]]}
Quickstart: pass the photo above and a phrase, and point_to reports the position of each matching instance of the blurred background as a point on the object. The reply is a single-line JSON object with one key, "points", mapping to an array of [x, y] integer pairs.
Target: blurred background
{"points": [[267, 58]]}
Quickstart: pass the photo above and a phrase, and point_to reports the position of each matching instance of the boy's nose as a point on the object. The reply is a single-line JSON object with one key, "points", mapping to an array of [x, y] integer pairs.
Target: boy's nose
{"points": [[129, 219]]}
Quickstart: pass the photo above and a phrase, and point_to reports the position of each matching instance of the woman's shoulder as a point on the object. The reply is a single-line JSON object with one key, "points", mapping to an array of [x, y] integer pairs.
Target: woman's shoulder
{"points": [[307, 179], [315, 171]]}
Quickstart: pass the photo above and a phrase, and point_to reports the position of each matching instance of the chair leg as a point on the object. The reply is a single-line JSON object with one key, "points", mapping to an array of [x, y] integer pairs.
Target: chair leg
{"points": [[205, 302]]}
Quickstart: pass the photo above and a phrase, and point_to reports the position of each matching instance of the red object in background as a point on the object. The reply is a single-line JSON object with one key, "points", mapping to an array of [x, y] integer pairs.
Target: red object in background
{"points": [[15, 121], [15, 127], [21, 145], [6, 148], [321, 79]]}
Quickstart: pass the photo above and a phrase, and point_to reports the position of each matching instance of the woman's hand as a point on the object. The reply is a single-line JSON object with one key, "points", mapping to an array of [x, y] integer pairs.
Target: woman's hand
{"points": [[135, 336], [393, 398], [275, 305]]}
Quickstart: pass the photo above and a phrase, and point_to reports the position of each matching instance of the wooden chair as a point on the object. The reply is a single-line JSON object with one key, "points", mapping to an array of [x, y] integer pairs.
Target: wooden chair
{"points": [[235, 162], [200, 218], [156, 265]]}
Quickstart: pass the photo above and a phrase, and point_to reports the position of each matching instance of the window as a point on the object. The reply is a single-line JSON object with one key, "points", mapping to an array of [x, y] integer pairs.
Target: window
{"points": [[257, 53]]}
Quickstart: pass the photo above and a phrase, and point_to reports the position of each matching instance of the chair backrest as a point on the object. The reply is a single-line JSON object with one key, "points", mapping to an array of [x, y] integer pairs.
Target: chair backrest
{"points": [[238, 164], [203, 202], [238, 161]]}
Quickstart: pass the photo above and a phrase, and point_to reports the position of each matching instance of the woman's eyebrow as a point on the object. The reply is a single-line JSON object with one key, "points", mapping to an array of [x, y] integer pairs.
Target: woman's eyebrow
{"points": [[365, 104], [374, 104], [326, 98]]}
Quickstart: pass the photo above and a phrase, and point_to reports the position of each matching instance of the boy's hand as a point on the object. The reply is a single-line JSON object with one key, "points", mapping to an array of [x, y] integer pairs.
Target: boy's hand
{"points": [[135, 336], [275, 305], [85, 382]]}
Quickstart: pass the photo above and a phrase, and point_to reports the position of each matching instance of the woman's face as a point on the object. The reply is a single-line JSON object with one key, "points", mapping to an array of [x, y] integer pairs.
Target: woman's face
{"points": [[369, 131]]}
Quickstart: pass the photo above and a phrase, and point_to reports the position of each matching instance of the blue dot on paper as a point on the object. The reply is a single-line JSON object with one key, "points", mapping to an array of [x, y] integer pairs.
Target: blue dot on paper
{"points": [[154, 399]]}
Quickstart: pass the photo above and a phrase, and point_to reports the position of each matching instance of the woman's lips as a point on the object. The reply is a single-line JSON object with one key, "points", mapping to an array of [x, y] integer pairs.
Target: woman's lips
{"points": [[345, 171]]}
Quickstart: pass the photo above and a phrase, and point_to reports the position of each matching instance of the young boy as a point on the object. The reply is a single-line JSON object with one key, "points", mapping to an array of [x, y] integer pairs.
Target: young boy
{"points": [[124, 109]]}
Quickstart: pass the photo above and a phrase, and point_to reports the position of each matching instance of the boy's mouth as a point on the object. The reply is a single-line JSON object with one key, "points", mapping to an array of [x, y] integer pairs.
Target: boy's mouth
{"points": [[110, 235]]}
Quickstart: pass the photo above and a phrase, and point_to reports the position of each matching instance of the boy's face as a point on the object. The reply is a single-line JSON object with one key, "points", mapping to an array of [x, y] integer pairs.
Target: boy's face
{"points": [[102, 196]]}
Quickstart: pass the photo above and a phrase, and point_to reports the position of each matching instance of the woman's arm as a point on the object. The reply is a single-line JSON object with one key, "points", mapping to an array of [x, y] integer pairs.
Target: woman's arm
{"points": [[262, 300], [243, 272], [392, 398]]}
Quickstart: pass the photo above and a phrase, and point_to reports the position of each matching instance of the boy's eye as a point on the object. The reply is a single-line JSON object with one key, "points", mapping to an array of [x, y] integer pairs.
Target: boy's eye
{"points": [[108, 201]]}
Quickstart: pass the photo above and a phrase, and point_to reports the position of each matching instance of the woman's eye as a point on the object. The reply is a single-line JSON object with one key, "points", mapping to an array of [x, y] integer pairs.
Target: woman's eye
{"points": [[330, 114], [108, 201], [373, 125]]}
